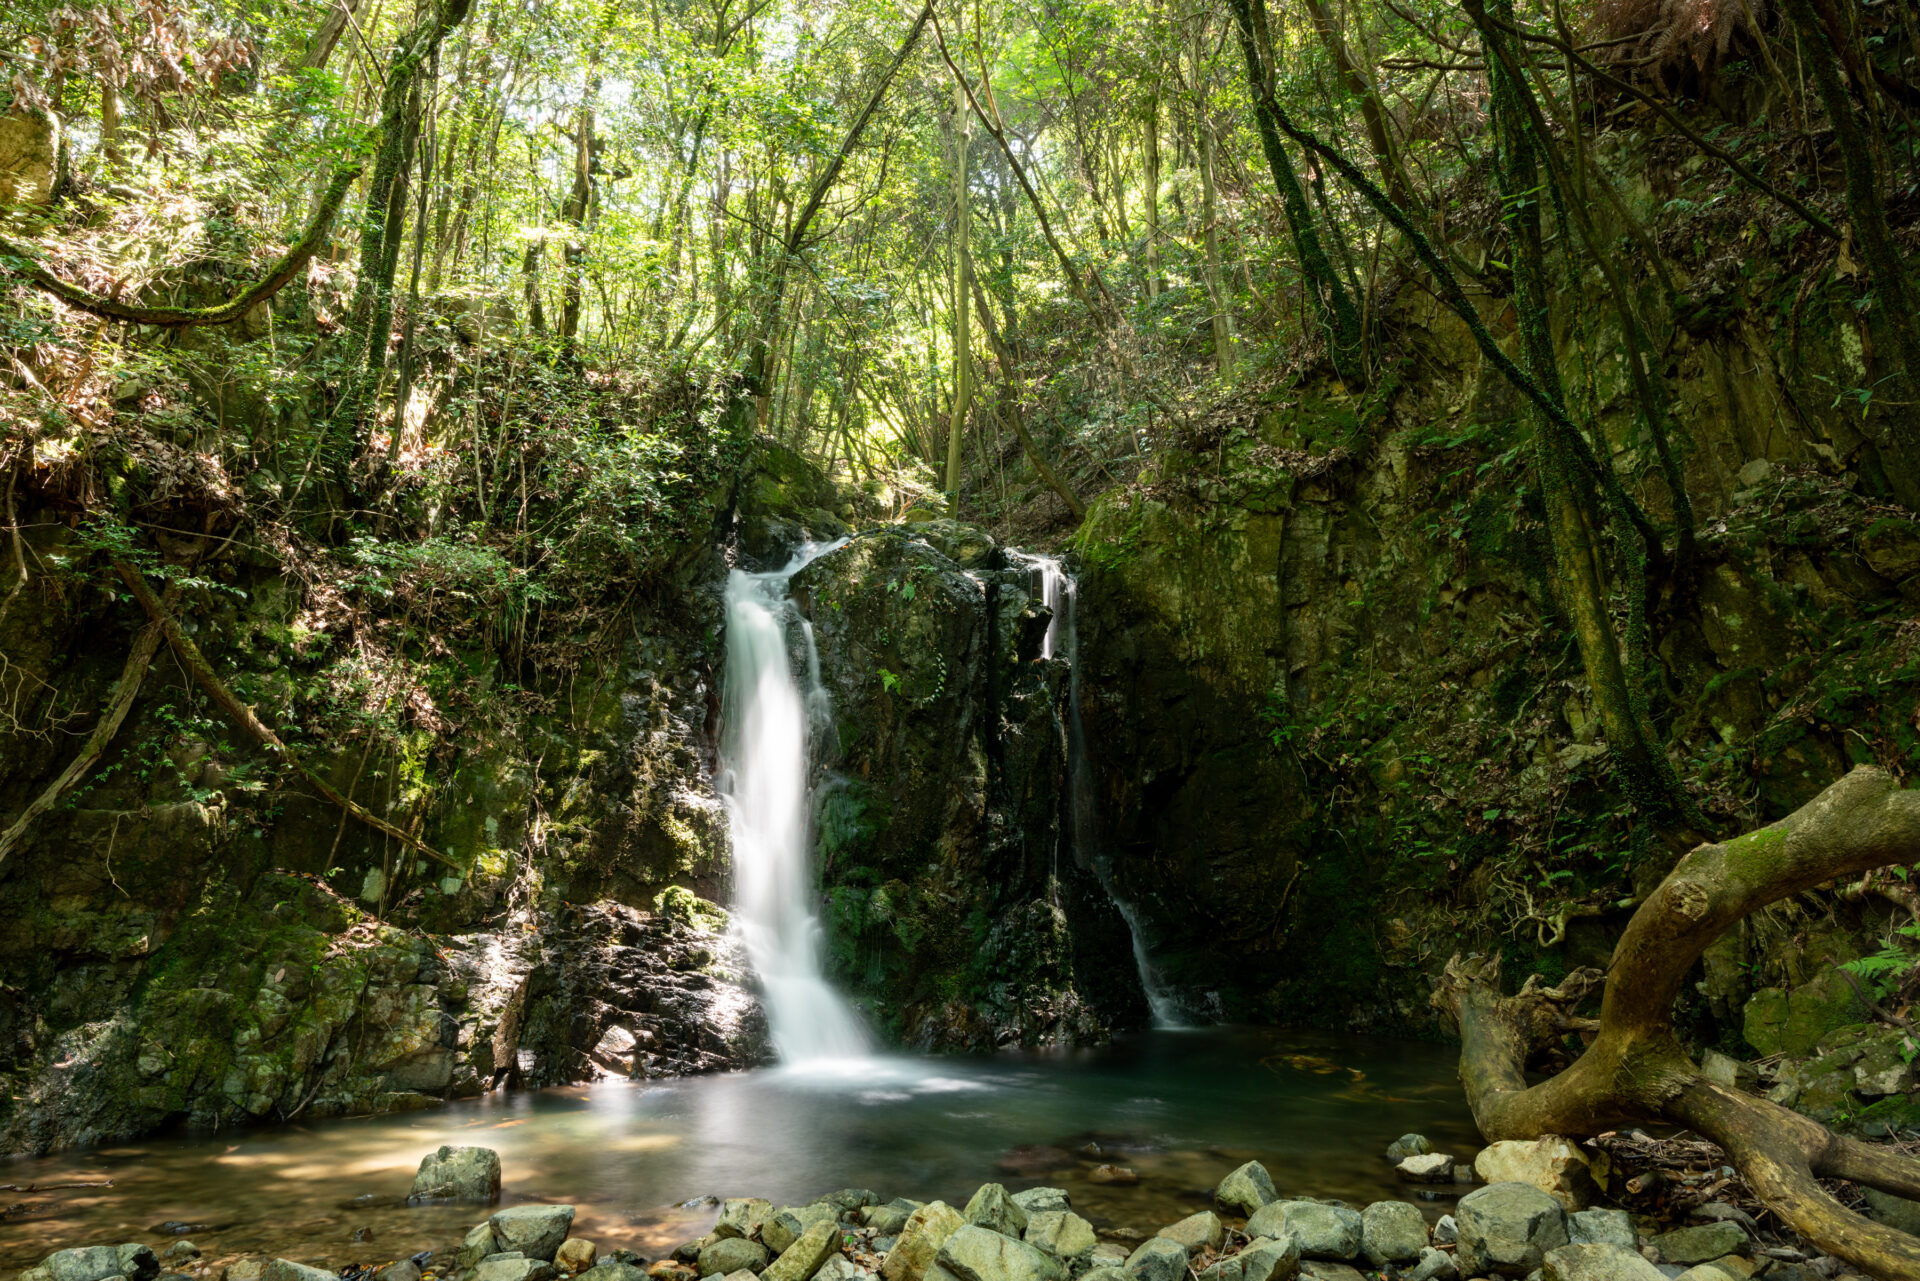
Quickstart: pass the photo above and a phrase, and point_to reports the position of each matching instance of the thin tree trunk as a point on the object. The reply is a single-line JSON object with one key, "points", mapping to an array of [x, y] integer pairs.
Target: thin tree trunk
{"points": [[962, 288]]}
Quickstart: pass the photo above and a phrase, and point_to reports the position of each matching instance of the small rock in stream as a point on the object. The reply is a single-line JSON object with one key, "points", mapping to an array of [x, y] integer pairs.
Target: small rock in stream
{"points": [[457, 1174], [533, 1230], [1197, 1232], [1408, 1145], [993, 1209], [1117, 1174], [1246, 1189]]}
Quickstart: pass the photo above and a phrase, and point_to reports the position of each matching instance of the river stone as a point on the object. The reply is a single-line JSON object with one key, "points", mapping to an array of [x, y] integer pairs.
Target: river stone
{"points": [[1197, 1232], [742, 1216], [1392, 1232], [1246, 1189], [1446, 1230], [1434, 1265], [533, 1230], [993, 1209], [1408, 1145], [787, 1225], [404, 1270], [741, 1275], [575, 1255], [1328, 1270], [1039, 1200], [1061, 1233], [613, 1268], [288, 1270], [1718, 1270], [496, 1267], [975, 1253], [1263, 1259], [1107, 1274], [1508, 1228], [1552, 1164], [799, 1261], [477, 1245], [886, 1220], [1431, 1167], [839, 1267], [731, 1254], [1158, 1259], [1323, 1231], [457, 1174], [1602, 1227], [181, 1252], [1703, 1244], [1595, 1262], [927, 1230], [84, 1263], [1110, 1254], [847, 1200]]}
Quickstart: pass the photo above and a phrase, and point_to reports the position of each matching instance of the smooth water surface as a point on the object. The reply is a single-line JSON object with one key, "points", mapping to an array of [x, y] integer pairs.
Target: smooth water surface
{"points": [[1179, 1108]]}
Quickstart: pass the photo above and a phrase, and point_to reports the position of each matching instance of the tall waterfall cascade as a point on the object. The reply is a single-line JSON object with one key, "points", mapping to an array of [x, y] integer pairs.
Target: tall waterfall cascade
{"points": [[768, 716], [1060, 594]]}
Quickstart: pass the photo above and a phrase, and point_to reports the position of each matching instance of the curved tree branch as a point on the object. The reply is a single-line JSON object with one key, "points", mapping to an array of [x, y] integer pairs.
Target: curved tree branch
{"points": [[266, 287]]}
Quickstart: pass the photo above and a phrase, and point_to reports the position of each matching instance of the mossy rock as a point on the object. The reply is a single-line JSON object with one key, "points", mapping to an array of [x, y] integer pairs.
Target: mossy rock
{"points": [[1782, 1022]]}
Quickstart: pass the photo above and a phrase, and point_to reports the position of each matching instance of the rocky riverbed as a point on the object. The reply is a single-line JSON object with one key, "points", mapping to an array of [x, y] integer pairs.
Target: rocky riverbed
{"points": [[1524, 1211]]}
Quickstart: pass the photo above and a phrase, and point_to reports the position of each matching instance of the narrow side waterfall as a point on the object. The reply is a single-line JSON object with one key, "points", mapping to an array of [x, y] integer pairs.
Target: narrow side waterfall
{"points": [[765, 722], [1060, 593]]}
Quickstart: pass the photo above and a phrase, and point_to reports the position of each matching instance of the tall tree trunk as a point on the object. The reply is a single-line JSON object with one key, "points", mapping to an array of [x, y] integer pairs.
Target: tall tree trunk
{"points": [[574, 212], [1223, 336], [1151, 141], [962, 290]]}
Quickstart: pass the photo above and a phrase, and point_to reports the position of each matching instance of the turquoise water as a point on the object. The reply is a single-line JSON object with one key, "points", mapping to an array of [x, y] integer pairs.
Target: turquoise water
{"points": [[1178, 1109]]}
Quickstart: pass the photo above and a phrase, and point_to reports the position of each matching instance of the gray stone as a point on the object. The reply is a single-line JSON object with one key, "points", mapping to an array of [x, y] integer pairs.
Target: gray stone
{"points": [[742, 1275], [993, 1209], [1593, 1261], [1408, 1145], [1430, 1167], [887, 1220], [288, 1270], [799, 1261], [533, 1230], [86, 1263], [1434, 1265], [404, 1270], [1036, 1200], [1446, 1230], [477, 1245], [847, 1200], [1061, 1233], [180, 1252], [1246, 1189], [787, 1225], [1508, 1228], [1323, 1231], [742, 1216], [1894, 1211], [1110, 1254], [458, 1174], [1702, 1244], [839, 1267], [1601, 1227], [1392, 1232], [1197, 1232], [498, 1267], [1328, 1270], [975, 1253], [1107, 1274], [1263, 1259], [1157, 1259], [1718, 1270], [920, 1240], [611, 1269], [731, 1254]]}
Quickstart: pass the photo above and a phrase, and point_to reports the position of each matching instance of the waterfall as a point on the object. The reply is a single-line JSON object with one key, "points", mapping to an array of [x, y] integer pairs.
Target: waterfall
{"points": [[765, 719], [1060, 593]]}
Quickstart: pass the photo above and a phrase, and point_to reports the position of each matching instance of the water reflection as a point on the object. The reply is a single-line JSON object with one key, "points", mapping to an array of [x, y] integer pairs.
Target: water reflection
{"points": [[1179, 1109]]}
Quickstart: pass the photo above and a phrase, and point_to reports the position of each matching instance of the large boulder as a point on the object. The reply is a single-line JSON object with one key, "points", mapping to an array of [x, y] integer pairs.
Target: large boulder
{"points": [[975, 1253], [1507, 1228], [1061, 1233], [920, 1240], [533, 1230], [1595, 1262], [1552, 1164], [91, 1263], [993, 1209], [799, 1261], [1157, 1259], [457, 1174], [1392, 1232], [1246, 1189], [1323, 1231], [742, 1216], [1197, 1232], [29, 159], [731, 1254]]}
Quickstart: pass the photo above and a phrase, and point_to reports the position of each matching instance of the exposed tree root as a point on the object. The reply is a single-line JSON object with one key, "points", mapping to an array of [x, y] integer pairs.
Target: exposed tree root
{"points": [[242, 715], [1636, 1069], [115, 714], [177, 317]]}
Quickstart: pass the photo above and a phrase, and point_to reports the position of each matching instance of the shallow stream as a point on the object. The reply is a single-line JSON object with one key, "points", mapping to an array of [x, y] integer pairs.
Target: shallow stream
{"points": [[1179, 1109]]}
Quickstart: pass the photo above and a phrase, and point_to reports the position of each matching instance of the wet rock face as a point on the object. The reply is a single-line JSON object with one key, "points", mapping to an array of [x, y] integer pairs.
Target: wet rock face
{"points": [[953, 896], [288, 1002]]}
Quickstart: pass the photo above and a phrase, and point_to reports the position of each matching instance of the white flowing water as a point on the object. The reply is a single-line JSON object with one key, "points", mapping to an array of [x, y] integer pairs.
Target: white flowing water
{"points": [[1060, 594], [765, 721]]}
